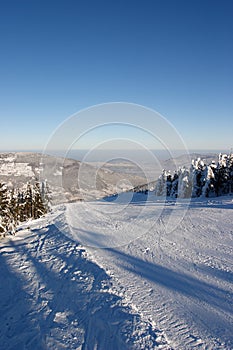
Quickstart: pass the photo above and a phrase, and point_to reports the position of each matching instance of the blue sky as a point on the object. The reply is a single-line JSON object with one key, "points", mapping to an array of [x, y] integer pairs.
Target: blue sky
{"points": [[174, 56]]}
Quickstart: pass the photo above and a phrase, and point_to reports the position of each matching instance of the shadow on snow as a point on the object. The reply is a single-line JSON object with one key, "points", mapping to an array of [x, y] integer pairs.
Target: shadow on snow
{"points": [[93, 315], [174, 281]]}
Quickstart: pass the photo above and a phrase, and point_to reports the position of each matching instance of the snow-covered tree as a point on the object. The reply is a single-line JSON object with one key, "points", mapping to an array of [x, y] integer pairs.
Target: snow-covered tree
{"points": [[39, 206], [18, 206], [184, 184], [230, 166], [5, 214], [21, 206], [222, 174], [198, 174], [169, 184], [201, 180], [46, 195], [161, 187], [209, 187], [175, 182], [14, 206], [29, 202]]}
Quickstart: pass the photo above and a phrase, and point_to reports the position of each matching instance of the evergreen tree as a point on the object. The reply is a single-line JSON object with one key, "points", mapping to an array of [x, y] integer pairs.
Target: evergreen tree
{"points": [[209, 187], [198, 170], [29, 202], [222, 175], [39, 206], [161, 188], [168, 184], [230, 166], [19, 206], [14, 208], [184, 184], [202, 180], [4, 209], [46, 195], [175, 182]]}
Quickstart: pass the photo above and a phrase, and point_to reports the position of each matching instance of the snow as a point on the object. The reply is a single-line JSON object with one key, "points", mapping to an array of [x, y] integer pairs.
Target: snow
{"points": [[16, 169], [122, 274]]}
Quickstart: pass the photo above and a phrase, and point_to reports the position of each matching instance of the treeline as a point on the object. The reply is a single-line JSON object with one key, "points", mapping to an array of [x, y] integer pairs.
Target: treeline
{"points": [[200, 180], [20, 205]]}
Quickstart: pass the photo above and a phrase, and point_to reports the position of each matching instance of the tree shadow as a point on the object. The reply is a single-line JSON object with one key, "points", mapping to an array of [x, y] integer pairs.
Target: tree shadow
{"points": [[174, 281], [71, 301], [215, 272], [18, 329], [89, 238]]}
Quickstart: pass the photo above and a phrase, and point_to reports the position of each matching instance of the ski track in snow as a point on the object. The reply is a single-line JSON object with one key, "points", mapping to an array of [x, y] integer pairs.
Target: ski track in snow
{"points": [[180, 281], [161, 290], [54, 297]]}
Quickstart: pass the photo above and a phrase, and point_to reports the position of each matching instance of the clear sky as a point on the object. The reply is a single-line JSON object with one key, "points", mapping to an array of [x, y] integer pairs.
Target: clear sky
{"points": [[60, 56]]}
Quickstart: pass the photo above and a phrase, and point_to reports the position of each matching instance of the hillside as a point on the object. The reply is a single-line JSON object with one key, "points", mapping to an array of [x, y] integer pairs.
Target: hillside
{"points": [[69, 180]]}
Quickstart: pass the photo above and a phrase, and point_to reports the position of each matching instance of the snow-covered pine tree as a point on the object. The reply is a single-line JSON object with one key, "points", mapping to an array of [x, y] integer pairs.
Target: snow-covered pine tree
{"points": [[222, 175], [161, 186], [14, 207], [201, 180], [230, 166], [184, 184], [39, 206], [20, 206], [3, 205], [29, 202], [169, 184], [209, 188], [46, 195], [174, 188], [198, 176], [5, 214]]}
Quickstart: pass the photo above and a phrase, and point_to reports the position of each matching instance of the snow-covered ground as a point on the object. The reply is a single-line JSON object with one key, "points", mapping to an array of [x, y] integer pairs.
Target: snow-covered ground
{"points": [[163, 280]]}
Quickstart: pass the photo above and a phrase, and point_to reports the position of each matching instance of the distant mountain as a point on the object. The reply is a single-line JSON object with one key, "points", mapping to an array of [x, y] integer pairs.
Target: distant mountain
{"points": [[185, 160], [16, 169], [69, 180]]}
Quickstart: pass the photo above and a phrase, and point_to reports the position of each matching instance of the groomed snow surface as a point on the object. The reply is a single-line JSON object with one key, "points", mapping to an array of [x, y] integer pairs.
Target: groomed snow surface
{"points": [[109, 275]]}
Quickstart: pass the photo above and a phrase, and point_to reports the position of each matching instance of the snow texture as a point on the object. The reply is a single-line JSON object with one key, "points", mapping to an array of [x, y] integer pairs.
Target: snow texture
{"points": [[163, 289]]}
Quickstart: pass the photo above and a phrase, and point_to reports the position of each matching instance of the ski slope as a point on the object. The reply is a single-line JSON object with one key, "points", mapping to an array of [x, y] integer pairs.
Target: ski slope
{"points": [[121, 274]]}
